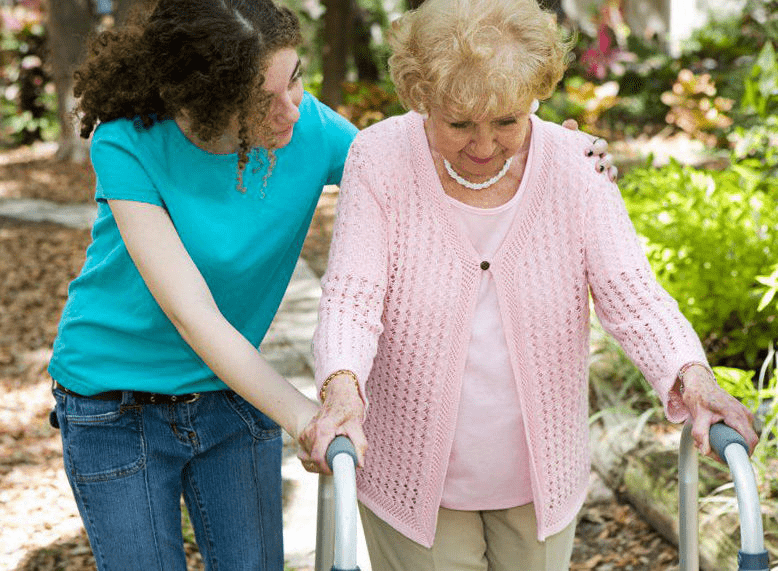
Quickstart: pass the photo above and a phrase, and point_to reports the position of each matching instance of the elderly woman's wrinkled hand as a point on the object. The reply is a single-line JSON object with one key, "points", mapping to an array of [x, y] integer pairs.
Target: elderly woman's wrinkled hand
{"points": [[708, 404], [341, 414]]}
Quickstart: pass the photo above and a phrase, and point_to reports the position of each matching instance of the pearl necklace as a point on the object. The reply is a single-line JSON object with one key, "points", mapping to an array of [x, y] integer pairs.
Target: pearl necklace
{"points": [[477, 186]]}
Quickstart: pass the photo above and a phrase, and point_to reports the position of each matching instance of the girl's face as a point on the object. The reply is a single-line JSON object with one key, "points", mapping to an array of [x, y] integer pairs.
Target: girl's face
{"points": [[477, 149], [283, 82]]}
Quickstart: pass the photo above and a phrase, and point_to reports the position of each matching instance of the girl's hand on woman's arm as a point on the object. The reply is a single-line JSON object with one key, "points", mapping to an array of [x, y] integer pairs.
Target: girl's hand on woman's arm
{"points": [[708, 404], [182, 293], [599, 149], [342, 413]]}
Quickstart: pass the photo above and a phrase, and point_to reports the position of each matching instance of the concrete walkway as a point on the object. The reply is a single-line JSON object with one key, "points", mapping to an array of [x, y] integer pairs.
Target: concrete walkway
{"points": [[71, 215], [287, 346]]}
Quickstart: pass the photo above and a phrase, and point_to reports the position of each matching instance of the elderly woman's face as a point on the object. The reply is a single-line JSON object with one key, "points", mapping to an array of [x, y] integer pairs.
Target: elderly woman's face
{"points": [[477, 148]]}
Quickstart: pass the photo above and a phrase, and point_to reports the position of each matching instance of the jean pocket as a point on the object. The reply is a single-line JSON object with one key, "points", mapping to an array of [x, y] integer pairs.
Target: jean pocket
{"points": [[102, 440], [262, 427]]}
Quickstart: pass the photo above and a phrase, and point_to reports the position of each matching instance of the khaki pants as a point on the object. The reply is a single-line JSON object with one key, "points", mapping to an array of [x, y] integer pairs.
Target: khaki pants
{"points": [[498, 540]]}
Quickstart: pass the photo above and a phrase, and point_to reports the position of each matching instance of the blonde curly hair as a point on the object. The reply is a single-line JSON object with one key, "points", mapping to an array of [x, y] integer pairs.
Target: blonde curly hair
{"points": [[476, 58]]}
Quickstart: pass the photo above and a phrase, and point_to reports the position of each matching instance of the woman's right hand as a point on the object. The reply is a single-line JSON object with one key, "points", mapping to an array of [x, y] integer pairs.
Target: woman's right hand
{"points": [[341, 414]]}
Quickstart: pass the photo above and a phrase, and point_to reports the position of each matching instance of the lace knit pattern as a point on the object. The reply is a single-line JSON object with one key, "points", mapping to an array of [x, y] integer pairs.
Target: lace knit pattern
{"points": [[400, 291]]}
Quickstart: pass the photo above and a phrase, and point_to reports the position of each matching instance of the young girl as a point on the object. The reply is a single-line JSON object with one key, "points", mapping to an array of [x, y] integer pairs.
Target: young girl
{"points": [[210, 160]]}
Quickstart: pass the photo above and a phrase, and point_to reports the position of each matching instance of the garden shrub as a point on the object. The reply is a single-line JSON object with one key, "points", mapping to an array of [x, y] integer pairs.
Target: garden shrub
{"points": [[366, 103], [708, 236], [755, 138], [724, 49]]}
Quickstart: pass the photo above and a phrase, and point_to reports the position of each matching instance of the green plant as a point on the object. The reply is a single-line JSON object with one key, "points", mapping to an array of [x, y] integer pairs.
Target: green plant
{"points": [[725, 40], [755, 138], [186, 525], [370, 19], [708, 235], [724, 49], [759, 392], [590, 101], [740, 384], [755, 152], [28, 102], [769, 288], [761, 86]]}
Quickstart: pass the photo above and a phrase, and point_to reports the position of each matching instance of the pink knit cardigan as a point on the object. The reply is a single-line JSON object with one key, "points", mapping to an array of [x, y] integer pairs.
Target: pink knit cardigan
{"points": [[400, 292]]}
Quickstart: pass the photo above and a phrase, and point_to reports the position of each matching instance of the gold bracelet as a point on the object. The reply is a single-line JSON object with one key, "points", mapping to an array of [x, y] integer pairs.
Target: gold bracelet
{"points": [[323, 389], [686, 367]]}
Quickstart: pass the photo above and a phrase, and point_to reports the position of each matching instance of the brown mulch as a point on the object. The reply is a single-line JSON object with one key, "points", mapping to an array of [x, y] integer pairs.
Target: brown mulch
{"points": [[39, 525]]}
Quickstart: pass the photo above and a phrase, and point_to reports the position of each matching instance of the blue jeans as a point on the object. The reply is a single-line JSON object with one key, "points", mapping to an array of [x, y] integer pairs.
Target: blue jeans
{"points": [[129, 464]]}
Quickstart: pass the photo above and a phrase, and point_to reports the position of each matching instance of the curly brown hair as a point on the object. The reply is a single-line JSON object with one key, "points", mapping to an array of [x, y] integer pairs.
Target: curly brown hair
{"points": [[205, 57]]}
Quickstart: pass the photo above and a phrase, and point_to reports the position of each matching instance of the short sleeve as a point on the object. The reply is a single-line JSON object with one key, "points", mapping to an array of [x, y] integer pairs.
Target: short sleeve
{"points": [[340, 134], [118, 161]]}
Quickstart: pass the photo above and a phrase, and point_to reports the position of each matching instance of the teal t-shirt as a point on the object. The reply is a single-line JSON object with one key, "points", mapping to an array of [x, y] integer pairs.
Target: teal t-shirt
{"points": [[113, 334]]}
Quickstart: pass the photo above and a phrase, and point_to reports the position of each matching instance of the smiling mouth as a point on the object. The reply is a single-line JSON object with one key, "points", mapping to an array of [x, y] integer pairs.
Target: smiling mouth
{"points": [[478, 161]]}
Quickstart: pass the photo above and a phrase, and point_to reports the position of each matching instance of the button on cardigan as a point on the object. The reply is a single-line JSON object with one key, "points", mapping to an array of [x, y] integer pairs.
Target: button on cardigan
{"points": [[400, 292]]}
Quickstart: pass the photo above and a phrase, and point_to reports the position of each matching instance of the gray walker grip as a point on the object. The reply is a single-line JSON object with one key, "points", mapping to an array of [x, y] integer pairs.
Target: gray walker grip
{"points": [[340, 445], [336, 521], [722, 436], [752, 556]]}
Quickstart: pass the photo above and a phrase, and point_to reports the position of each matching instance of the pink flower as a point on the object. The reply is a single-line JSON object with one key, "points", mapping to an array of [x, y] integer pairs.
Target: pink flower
{"points": [[601, 58], [9, 22]]}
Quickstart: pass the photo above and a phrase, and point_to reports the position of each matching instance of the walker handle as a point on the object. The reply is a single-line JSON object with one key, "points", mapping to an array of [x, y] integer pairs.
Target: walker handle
{"points": [[752, 555], [340, 445], [722, 436], [336, 526]]}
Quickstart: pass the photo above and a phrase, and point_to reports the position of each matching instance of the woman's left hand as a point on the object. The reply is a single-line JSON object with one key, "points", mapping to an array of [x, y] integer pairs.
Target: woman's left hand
{"points": [[599, 149], [708, 404]]}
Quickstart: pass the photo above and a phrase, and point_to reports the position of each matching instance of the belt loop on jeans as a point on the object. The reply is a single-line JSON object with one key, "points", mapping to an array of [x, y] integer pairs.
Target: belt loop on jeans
{"points": [[127, 402]]}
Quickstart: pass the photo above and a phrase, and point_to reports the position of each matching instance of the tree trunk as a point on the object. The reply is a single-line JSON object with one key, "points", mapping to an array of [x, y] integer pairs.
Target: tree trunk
{"points": [[367, 70], [69, 24], [554, 6], [335, 50]]}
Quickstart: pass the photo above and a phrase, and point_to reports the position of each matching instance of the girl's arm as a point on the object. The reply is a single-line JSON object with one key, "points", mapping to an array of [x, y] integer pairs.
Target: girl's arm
{"points": [[181, 292]]}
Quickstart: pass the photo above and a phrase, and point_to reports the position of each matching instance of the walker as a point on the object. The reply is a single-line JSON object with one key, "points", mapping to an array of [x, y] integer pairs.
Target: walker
{"points": [[336, 522], [732, 448], [336, 518]]}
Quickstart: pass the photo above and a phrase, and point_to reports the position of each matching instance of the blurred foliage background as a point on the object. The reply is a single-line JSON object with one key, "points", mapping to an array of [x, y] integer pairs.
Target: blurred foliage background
{"points": [[710, 229]]}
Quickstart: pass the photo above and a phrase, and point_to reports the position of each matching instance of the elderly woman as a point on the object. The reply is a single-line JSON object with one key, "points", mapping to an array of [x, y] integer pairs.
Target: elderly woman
{"points": [[470, 235]]}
